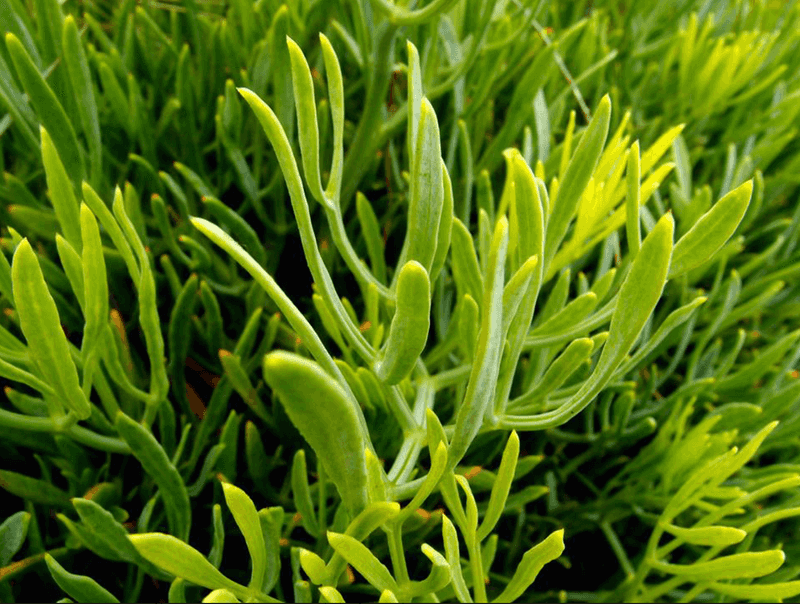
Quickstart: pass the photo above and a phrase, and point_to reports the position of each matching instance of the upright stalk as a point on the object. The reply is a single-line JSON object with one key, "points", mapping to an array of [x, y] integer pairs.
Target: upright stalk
{"points": [[365, 142]]}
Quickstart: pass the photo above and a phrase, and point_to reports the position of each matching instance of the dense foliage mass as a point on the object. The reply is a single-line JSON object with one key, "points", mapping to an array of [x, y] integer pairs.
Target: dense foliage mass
{"points": [[358, 300]]}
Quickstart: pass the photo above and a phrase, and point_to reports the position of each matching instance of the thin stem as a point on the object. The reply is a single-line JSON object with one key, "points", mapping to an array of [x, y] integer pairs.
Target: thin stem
{"points": [[351, 259], [407, 458], [644, 566], [476, 565], [322, 504], [401, 492], [98, 441], [150, 412], [451, 377], [399, 408], [394, 536], [15, 568], [17, 421], [619, 551], [365, 143]]}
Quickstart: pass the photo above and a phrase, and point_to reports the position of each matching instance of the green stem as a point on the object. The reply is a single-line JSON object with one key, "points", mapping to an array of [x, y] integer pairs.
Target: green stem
{"points": [[98, 441], [398, 555], [150, 412], [406, 459], [17, 421], [351, 259], [476, 565], [619, 551], [365, 142], [644, 566], [322, 504], [16, 568], [406, 490], [450, 377], [400, 409]]}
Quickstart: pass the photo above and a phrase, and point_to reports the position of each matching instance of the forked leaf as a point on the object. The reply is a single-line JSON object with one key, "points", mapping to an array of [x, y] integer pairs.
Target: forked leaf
{"points": [[370, 230], [387, 597], [637, 298], [451, 549], [301, 493], [713, 474], [486, 367], [246, 517], [41, 326], [720, 536], [501, 488], [95, 291], [444, 234], [374, 515], [62, 194], [559, 371], [736, 566], [106, 218], [469, 527], [324, 415], [633, 201], [758, 593], [532, 563], [711, 231], [221, 596], [155, 462], [106, 529], [79, 587], [12, 535], [574, 312], [438, 578], [182, 560], [408, 333], [313, 565], [466, 270], [306, 119], [363, 560], [78, 69], [376, 477], [287, 308], [414, 98], [578, 173], [48, 109], [516, 289], [333, 71], [330, 594], [438, 464], [426, 195]]}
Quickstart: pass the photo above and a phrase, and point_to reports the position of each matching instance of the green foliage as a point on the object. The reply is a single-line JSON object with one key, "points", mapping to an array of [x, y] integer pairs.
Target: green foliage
{"points": [[533, 336]]}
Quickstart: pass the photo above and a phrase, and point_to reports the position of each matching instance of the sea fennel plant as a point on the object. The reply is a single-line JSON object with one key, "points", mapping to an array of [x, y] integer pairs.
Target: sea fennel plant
{"points": [[590, 361], [340, 438]]}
